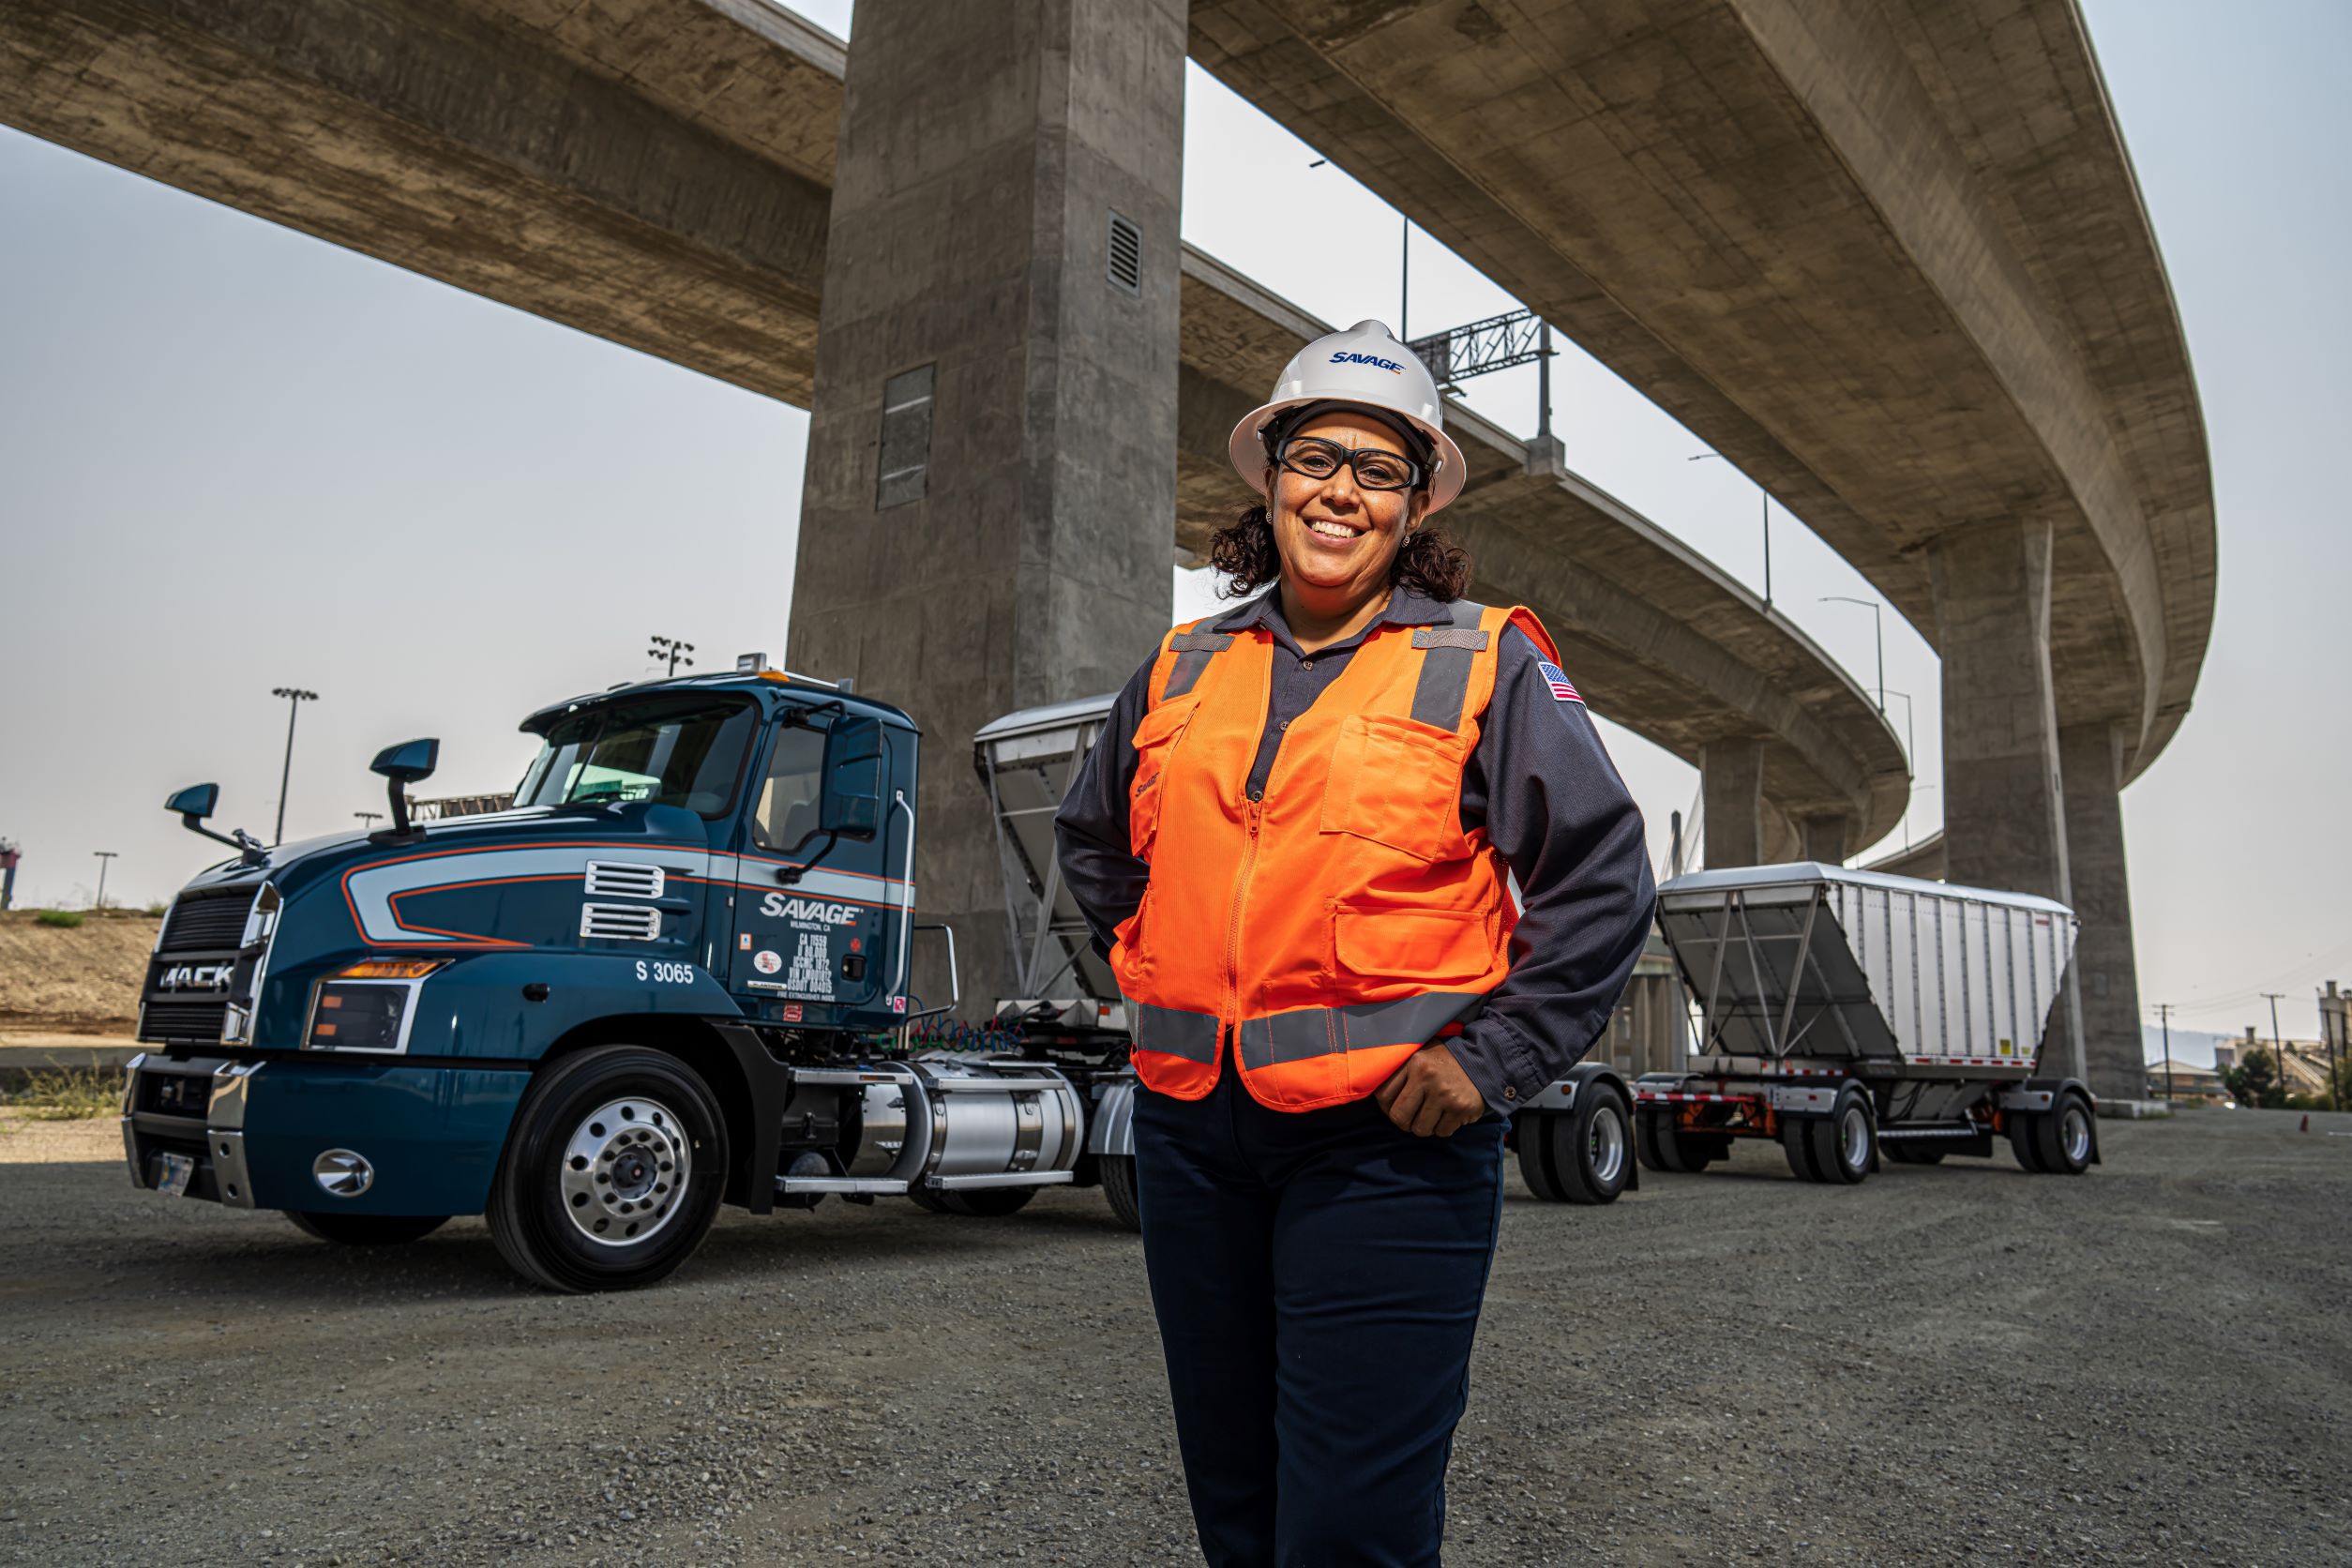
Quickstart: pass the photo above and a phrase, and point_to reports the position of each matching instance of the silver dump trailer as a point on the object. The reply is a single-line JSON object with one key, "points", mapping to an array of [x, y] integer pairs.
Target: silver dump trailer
{"points": [[1575, 1139], [1848, 1014]]}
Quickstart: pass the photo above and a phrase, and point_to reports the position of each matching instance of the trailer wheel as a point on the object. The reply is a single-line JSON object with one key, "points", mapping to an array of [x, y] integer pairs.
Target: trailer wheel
{"points": [[982, 1203], [2025, 1141], [1845, 1142], [1797, 1142], [2062, 1137], [365, 1230], [1664, 1145], [1119, 1187], [1579, 1157], [1906, 1152], [612, 1173]]}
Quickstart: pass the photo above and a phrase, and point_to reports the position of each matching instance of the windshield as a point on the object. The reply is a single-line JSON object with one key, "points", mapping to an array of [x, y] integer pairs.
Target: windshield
{"points": [[667, 752]]}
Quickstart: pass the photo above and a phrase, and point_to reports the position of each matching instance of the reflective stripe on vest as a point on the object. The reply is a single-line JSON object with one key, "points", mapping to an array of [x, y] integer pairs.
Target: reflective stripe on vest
{"points": [[1338, 924]]}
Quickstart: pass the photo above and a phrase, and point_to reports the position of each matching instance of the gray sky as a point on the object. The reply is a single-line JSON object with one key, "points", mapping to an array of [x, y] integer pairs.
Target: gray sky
{"points": [[233, 456]]}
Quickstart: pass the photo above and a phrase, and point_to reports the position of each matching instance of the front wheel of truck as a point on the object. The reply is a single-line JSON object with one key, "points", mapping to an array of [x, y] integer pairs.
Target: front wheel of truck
{"points": [[366, 1229], [613, 1173]]}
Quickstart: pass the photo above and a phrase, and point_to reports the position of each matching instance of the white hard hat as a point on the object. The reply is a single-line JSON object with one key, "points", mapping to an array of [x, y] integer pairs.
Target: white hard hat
{"points": [[1364, 365]]}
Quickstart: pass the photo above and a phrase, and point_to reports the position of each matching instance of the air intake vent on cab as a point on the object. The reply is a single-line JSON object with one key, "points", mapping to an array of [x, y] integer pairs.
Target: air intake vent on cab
{"points": [[621, 879], [619, 921]]}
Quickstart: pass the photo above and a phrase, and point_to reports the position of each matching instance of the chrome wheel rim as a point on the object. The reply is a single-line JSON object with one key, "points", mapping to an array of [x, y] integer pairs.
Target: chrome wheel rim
{"points": [[2074, 1134], [624, 1170], [1605, 1147], [1854, 1134]]}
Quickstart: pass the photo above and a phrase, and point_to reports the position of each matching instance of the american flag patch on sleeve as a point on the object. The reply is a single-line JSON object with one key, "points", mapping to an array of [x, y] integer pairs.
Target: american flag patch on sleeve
{"points": [[1561, 690]]}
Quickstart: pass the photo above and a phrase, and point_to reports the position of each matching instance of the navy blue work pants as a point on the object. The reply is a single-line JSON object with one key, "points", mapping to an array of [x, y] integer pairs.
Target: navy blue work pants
{"points": [[1318, 1277]]}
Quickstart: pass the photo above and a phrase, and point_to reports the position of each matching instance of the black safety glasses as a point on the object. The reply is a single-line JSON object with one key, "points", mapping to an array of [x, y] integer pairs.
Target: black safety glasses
{"points": [[1374, 468]]}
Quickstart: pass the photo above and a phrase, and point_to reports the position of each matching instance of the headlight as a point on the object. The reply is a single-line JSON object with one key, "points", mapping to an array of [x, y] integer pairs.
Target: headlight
{"points": [[366, 1006]]}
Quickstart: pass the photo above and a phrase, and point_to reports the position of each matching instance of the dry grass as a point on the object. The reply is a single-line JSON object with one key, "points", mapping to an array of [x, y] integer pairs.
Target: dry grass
{"points": [[68, 1095]]}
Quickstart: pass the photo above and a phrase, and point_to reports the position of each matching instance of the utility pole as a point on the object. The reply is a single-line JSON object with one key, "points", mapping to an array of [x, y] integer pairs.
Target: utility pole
{"points": [[295, 697], [2164, 1011], [366, 816], [103, 856], [2278, 1052], [671, 649]]}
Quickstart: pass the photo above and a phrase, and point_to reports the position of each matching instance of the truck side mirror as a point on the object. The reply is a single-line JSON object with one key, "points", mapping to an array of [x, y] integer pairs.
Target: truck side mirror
{"points": [[850, 802], [195, 803], [403, 764]]}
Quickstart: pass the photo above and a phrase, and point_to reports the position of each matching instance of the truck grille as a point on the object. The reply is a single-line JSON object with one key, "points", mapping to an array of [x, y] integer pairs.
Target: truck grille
{"points": [[187, 993]]}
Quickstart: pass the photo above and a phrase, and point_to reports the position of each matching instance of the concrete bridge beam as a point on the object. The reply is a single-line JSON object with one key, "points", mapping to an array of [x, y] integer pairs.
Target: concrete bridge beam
{"points": [[992, 439]]}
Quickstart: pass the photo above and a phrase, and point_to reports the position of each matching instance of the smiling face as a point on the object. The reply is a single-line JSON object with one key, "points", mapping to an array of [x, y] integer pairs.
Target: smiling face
{"points": [[1336, 539]]}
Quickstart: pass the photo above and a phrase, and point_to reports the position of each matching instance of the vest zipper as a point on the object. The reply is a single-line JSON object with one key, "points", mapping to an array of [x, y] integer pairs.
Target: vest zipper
{"points": [[1253, 815]]}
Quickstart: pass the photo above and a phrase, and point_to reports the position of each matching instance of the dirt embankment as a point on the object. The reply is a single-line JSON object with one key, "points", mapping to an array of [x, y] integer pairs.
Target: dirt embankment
{"points": [[80, 979]]}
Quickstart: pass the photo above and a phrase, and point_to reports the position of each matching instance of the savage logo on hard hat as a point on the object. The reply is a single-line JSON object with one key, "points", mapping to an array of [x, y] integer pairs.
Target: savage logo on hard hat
{"points": [[1389, 365]]}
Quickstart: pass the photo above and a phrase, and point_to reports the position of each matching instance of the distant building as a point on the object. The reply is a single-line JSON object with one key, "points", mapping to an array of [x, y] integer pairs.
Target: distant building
{"points": [[2189, 1081]]}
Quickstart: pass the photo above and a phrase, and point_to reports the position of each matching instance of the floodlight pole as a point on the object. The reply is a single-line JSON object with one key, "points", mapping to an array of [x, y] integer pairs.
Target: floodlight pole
{"points": [[295, 697]]}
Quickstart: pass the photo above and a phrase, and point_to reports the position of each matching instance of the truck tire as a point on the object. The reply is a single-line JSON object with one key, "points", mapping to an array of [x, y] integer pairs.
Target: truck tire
{"points": [[1579, 1156], [1119, 1187], [365, 1230], [1907, 1152], [612, 1173], [1665, 1145], [2024, 1140], [984, 1203], [2062, 1137], [1847, 1140], [1797, 1142]]}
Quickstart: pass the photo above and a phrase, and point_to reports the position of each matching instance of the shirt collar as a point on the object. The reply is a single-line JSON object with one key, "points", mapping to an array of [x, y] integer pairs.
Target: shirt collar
{"points": [[1406, 608]]}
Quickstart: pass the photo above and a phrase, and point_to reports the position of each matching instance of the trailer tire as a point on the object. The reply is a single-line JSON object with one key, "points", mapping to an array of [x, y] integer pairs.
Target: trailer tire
{"points": [[2025, 1141], [1846, 1142], [1906, 1152], [2062, 1137], [1119, 1187], [584, 1123], [365, 1230], [1580, 1156], [1797, 1141], [1663, 1144], [984, 1202]]}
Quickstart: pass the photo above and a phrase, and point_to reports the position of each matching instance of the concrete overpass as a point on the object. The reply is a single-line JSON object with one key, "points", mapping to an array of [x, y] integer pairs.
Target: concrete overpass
{"points": [[659, 172]]}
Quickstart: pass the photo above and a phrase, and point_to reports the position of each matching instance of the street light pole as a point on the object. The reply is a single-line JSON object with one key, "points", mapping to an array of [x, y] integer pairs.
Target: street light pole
{"points": [[295, 697], [1878, 624], [1766, 497], [103, 856], [2278, 1051]]}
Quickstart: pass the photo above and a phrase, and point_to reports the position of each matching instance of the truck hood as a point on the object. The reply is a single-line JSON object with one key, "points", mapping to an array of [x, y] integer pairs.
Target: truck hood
{"points": [[303, 862]]}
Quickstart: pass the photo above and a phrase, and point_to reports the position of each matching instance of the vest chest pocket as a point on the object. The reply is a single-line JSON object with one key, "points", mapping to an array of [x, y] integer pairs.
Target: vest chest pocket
{"points": [[1397, 782], [1154, 743]]}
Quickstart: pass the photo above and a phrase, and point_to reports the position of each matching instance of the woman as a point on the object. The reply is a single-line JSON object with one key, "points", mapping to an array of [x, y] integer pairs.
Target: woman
{"points": [[1292, 843]]}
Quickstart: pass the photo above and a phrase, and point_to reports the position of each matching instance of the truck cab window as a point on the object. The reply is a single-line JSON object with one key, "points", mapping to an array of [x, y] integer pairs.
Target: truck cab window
{"points": [[662, 753], [786, 814]]}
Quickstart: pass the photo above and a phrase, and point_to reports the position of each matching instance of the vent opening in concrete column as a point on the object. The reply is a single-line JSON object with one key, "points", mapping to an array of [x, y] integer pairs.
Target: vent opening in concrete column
{"points": [[906, 439], [1126, 255]]}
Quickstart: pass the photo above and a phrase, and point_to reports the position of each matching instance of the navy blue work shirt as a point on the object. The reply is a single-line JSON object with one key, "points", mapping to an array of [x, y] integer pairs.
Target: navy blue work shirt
{"points": [[1539, 783]]}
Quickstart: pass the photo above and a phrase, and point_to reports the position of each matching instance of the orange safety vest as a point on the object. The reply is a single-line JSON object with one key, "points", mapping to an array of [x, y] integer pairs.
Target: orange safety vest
{"points": [[1337, 925]]}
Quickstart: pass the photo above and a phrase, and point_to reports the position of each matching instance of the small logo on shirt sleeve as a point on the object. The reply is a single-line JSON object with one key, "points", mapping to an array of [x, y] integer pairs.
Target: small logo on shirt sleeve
{"points": [[1561, 690]]}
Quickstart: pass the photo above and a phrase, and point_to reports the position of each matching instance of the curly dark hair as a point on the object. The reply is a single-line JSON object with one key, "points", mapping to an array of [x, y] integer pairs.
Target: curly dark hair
{"points": [[1427, 562]]}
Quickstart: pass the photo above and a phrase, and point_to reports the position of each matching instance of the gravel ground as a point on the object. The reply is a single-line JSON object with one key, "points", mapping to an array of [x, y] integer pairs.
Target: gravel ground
{"points": [[2151, 1364]]}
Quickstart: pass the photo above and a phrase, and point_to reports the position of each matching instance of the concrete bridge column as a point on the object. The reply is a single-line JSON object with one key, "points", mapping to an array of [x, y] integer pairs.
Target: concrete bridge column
{"points": [[1731, 780], [992, 441], [1825, 838], [2106, 972], [2004, 811]]}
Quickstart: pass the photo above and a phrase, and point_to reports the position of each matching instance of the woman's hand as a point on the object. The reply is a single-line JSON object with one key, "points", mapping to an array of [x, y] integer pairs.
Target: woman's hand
{"points": [[1430, 1097]]}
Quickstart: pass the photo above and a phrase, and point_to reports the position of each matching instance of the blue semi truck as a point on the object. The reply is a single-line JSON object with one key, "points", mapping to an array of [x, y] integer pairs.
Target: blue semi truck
{"points": [[675, 972]]}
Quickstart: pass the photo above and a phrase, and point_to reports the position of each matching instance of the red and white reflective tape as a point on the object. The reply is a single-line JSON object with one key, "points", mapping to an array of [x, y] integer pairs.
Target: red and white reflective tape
{"points": [[1675, 1096]]}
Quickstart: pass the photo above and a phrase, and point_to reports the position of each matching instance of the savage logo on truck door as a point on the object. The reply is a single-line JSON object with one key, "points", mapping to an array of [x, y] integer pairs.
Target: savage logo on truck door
{"points": [[810, 910]]}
